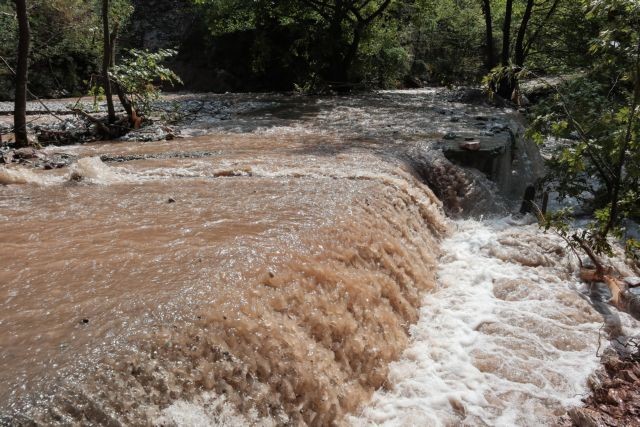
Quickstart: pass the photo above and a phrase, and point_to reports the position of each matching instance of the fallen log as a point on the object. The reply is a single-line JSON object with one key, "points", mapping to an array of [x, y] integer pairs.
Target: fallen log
{"points": [[101, 126], [109, 131], [58, 112], [622, 298], [619, 296]]}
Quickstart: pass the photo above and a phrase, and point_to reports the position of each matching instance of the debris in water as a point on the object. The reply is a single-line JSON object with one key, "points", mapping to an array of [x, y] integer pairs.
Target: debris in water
{"points": [[471, 145]]}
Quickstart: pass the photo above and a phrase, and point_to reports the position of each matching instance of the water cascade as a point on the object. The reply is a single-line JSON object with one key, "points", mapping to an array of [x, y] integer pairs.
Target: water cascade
{"points": [[284, 265]]}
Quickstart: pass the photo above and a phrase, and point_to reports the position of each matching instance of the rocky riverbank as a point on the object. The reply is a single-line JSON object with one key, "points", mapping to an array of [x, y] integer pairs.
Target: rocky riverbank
{"points": [[615, 391]]}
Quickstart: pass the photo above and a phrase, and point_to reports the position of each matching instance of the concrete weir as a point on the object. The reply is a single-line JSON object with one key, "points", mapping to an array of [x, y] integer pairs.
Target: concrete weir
{"points": [[498, 148]]}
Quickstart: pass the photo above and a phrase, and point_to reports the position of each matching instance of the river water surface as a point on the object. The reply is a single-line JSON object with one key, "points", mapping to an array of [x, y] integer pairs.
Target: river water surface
{"points": [[278, 264]]}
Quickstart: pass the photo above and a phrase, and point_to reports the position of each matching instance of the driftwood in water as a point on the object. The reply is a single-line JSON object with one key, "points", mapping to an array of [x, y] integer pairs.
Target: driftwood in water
{"points": [[108, 131], [600, 268], [57, 112], [622, 297], [99, 124]]}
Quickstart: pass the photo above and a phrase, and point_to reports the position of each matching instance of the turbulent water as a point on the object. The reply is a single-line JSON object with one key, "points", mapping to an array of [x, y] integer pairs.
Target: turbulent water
{"points": [[269, 266], [504, 339]]}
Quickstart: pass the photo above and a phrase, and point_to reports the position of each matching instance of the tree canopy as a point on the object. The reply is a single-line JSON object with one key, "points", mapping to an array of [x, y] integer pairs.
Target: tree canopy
{"points": [[310, 44]]}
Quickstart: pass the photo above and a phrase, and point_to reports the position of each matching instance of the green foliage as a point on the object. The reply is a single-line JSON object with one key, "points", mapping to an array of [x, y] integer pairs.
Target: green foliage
{"points": [[141, 75], [97, 93], [500, 74], [120, 12], [449, 37], [383, 61], [226, 16], [594, 120], [8, 44], [304, 43], [65, 44]]}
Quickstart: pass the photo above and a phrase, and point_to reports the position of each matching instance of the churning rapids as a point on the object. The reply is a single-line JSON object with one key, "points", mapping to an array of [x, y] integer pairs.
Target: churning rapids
{"points": [[290, 261]]}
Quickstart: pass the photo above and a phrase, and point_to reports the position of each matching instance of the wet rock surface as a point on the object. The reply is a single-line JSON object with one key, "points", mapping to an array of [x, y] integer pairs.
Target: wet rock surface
{"points": [[615, 391], [35, 158], [108, 158]]}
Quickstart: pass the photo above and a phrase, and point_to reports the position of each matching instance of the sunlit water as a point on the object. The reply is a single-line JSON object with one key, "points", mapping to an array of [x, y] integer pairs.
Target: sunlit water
{"points": [[270, 271], [504, 339]]}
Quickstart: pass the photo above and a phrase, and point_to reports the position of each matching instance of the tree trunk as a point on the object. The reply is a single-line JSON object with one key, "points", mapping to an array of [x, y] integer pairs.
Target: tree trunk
{"points": [[541, 26], [113, 38], [352, 50], [106, 61], [488, 22], [522, 31], [506, 33], [344, 52], [507, 82], [124, 100], [20, 109]]}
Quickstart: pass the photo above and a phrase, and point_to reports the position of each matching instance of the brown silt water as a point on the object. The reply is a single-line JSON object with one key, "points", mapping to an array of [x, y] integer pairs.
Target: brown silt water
{"points": [[269, 269]]}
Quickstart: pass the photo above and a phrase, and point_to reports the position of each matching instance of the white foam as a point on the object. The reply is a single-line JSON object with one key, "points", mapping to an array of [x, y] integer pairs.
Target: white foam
{"points": [[208, 410], [481, 360], [88, 169], [92, 169]]}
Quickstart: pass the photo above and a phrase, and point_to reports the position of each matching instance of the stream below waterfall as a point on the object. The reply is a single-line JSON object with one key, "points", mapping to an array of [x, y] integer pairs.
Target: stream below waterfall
{"points": [[504, 340], [291, 260]]}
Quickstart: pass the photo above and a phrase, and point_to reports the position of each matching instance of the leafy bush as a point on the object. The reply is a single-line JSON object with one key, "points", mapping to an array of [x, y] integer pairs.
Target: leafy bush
{"points": [[596, 121], [141, 75], [64, 46]]}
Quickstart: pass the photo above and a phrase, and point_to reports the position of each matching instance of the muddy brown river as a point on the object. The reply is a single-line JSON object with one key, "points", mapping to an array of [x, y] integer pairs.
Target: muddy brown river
{"points": [[263, 268]]}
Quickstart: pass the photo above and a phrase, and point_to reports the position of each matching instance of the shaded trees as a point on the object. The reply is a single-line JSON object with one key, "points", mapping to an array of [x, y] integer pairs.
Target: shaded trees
{"points": [[308, 44], [488, 22], [506, 33], [514, 52], [325, 35], [64, 47], [346, 22], [447, 39], [520, 53]]}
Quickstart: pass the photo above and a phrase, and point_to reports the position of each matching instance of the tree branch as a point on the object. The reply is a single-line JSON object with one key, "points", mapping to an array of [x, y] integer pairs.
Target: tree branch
{"points": [[542, 25], [378, 12]]}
